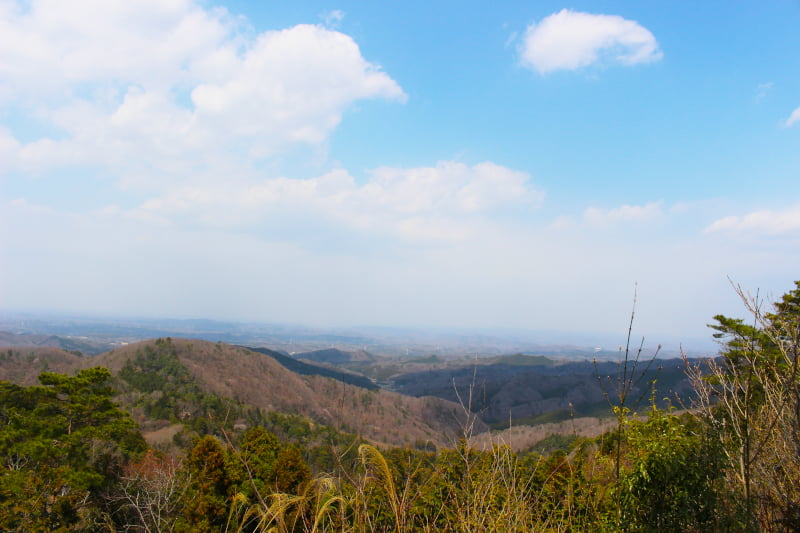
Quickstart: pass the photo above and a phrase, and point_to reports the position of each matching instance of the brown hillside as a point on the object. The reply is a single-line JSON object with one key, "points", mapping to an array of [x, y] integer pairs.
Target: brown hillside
{"points": [[23, 365], [257, 379]]}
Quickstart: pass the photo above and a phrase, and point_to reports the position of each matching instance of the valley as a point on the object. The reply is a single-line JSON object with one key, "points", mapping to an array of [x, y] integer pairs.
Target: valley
{"points": [[421, 400], [257, 437]]}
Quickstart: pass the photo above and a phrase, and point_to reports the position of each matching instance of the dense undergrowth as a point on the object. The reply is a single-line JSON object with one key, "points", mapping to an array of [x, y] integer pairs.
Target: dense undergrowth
{"points": [[74, 461]]}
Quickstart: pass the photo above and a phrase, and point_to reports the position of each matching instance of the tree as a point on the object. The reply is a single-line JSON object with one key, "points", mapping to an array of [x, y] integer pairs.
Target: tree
{"points": [[674, 477], [62, 445], [291, 471], [205, 502], [751, 395], [149, 493], [255, 464]]}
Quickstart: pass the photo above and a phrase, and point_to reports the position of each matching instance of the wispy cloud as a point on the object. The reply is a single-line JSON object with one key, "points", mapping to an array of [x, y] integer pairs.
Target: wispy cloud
{"points": [[569, 40], [624, 213], [333, 18], [793, 119], [765, 222], [762, 89]]}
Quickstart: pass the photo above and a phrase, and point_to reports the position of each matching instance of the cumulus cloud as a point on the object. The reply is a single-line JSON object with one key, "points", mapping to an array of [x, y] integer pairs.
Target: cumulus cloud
{"points": [[49, 46], [766, 222], [569, 40], [625, 213], [181, 103], [793, 118], [294, 84], [440, 203], [172, 84]]}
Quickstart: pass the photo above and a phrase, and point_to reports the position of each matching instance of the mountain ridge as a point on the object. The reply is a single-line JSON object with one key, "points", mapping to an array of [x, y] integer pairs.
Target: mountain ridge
{"points": [[260, 381]]}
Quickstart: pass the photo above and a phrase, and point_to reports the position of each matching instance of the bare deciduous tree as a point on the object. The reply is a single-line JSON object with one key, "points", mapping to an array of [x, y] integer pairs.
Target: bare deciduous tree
{"points": [[149, 494], [751, 395]]}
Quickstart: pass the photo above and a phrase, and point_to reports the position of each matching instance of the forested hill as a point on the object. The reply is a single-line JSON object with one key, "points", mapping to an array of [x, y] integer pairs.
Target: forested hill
{"points": [[163, 378], [73, 460], [528, 390]]}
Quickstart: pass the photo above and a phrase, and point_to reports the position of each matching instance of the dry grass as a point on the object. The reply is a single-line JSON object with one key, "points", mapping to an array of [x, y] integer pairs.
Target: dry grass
{"points": [[477, 493]]}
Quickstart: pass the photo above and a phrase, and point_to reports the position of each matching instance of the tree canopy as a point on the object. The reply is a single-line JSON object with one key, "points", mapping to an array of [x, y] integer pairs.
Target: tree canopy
{"points": [[61, 443]]}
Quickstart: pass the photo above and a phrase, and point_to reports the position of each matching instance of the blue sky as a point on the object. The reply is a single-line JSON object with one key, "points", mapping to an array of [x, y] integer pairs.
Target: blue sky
{"points": [[447, 164]]}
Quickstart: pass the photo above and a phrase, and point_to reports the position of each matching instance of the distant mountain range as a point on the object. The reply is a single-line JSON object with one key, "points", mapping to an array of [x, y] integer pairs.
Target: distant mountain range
{"points": [[336, 356], [394, 342], [393, 400], [70, 344]]}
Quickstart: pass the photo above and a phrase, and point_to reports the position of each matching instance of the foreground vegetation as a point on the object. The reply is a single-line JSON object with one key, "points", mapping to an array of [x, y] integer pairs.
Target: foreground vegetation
{"points": [[74, 461]]}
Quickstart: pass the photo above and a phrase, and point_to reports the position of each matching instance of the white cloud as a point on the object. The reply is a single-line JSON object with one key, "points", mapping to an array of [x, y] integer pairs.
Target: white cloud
{"points": [[49, 46], [793, 118], [170, 91], [449, 187], [625, 213], [569, 40], [293, 84], [766, 222], [446, 202]]}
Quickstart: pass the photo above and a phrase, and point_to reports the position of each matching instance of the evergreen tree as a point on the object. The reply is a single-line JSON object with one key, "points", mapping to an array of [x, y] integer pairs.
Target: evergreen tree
{"points": [[206, 498], [62, 444]]}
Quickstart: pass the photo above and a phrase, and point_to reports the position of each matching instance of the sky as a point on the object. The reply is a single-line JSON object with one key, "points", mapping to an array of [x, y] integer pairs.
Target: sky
{"points": [[523, 165]]}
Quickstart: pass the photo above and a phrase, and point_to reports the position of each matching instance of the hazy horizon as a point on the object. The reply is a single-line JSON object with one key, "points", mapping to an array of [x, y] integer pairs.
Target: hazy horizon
{"points": [[451, 337]]}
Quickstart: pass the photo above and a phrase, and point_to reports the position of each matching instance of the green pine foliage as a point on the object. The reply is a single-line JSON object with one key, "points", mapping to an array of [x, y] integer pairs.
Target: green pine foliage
{"points": [[62, 445], [165, 390]]}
